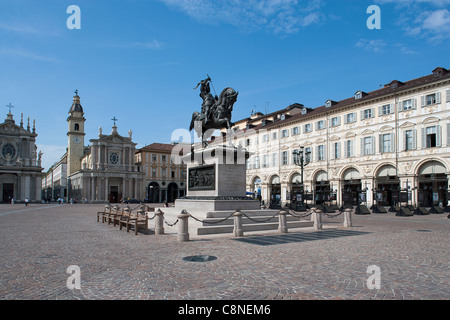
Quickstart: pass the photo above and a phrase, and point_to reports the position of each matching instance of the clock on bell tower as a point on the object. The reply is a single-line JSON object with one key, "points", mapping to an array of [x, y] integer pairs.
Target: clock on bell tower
{"points": [[75, 150]]}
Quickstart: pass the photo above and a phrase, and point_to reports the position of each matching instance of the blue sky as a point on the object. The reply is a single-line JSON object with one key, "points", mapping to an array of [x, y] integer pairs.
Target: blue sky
{"points": [[139, 60]]}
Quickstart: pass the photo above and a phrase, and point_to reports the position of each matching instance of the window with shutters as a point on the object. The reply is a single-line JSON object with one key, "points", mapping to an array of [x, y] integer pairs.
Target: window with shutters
{"points": [[256, 163], [284, 133], [295, 131], [386, 143], [410, 140], [274, 159], [320, 125], [385, 110], [407, 104], [349, 148], [350, 117], [274, 136], [308, 127], [308, 154], [285, 158], [336, 121], [368, 113], [265, 161], [368, 145], [321, 153], [431, 99], [336, 150], [431, 137]]}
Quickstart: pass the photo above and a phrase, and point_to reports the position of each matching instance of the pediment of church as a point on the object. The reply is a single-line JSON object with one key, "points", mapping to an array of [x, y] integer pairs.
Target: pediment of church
{"points": [[13, 129], [115, 139]]}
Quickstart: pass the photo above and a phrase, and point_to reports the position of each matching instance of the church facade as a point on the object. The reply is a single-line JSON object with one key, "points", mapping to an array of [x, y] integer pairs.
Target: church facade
{"points": [[104, 171], [20, 163]]}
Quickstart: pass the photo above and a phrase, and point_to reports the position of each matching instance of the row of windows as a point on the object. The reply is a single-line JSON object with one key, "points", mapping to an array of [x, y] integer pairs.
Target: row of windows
{"points": [[431, 137], [369, 113], [155, 157], [163, 173]]}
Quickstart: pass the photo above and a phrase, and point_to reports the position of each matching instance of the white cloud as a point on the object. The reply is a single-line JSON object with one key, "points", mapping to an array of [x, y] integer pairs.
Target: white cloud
{"points": [[17, 28], [425, 19], [375, 46], [152, 44], [277, 16], [434, 26], [26, 54]]}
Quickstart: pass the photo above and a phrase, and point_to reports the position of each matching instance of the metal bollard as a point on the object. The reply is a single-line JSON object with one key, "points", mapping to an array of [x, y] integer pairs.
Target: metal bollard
{"points": [[159, 222], [282, 228], [348, 218], [183, 233], [238, 231], [317, 218]]}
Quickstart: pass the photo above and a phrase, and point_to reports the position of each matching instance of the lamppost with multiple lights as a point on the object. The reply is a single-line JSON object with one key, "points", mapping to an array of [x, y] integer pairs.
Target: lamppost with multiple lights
{"points": [[301, 158]]}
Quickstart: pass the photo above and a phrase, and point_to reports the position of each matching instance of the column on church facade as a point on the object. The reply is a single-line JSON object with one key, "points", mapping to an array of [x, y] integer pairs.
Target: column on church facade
{"points": [[27, 185], [107, 189], [92, 188], [38, 184], [94, 155], [124, 194], [105, 155]]}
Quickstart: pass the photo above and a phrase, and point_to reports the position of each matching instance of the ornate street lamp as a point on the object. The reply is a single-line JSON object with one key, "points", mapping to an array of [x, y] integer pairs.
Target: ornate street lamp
{"points": [[301, 158]]}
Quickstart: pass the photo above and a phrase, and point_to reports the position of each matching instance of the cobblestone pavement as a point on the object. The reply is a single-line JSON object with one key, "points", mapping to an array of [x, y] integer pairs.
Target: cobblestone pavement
{"points": [[39, 242]]}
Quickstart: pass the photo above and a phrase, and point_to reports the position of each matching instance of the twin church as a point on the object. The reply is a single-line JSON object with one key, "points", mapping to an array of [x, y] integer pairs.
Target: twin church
{"points": [[101, 172]]}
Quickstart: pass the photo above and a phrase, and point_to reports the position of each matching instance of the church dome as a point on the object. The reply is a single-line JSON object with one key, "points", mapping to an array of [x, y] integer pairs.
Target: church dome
{"points": [[76, 105]]}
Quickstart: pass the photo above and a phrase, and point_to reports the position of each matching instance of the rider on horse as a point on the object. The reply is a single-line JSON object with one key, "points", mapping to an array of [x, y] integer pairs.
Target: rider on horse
{"points": [[208, 99]]}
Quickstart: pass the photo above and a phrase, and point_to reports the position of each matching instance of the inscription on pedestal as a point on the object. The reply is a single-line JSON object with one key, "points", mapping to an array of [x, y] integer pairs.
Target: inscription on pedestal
{"points": [[202, 178]]}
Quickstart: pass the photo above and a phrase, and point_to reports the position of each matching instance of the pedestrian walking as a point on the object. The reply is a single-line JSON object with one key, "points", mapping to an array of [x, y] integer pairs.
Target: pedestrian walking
{"points": [[26, 201]]}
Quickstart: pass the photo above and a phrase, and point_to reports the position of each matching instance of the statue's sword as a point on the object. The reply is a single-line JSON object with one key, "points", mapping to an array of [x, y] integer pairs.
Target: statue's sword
{"points": [[212, 84]]}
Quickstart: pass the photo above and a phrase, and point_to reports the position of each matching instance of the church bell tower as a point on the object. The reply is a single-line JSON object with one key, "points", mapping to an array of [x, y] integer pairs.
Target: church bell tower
{"points": [[75, 150]]}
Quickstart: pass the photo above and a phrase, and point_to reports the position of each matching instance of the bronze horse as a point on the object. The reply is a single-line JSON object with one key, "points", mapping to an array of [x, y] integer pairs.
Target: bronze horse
{"points": [[217, 116]]}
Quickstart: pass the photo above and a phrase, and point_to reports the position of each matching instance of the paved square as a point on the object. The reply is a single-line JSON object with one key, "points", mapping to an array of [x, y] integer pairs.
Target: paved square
{"points": [[39, 243]]}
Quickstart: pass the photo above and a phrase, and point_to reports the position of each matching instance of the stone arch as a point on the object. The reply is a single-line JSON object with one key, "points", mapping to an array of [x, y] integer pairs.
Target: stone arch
{"points": [[346, 168], [423, 162], [292, 175], [376, 170]]}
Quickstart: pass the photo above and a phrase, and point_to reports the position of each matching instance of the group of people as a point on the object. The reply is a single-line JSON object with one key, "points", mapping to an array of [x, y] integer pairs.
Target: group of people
{"points": [[25, 201]]}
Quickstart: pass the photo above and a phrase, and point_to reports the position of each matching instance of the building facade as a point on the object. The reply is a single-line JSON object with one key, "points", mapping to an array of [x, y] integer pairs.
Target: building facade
{"points": [[388, 146], [104, 171], [20, 162], [54, 182], [165, 179]]}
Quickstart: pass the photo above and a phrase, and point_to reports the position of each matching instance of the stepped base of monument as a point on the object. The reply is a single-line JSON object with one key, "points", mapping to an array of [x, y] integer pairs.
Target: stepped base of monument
{"points": [[205, 222], [217, 203]]}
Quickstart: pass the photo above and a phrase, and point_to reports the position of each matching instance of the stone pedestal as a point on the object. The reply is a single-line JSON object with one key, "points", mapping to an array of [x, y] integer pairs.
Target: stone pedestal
{"points": [[216, 180]]}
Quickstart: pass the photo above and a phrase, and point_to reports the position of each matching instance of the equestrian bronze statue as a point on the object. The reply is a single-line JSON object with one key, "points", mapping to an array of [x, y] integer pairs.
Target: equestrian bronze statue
{"points": [[215, 112]]}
